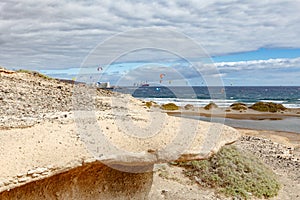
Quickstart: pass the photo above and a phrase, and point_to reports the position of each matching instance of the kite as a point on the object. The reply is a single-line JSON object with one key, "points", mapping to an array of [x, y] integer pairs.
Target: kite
{"points": [[99, 68], [161, 75]]}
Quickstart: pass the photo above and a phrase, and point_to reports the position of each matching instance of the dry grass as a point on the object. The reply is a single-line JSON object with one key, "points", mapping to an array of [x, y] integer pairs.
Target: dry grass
{"points": [[210, 106], [268, 107], [234, 174], [34, 73], [169, 106], [238, 106]]}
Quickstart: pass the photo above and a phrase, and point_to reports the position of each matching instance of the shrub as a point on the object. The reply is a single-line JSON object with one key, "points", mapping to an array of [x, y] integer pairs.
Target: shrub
{"points": [[268, 107], [148, 104], [188, 107], [34, 73], [234, 174], [210, 106], [169, 106], [238, 106]]}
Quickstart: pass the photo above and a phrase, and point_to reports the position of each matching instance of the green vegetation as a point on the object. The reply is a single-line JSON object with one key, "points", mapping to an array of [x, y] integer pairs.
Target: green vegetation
{"points": [[24, 71], [148, 104], [238, 106], [164, 173], [234, 174], [210, 106], [34, 73], [268, 107], [169, 106]]}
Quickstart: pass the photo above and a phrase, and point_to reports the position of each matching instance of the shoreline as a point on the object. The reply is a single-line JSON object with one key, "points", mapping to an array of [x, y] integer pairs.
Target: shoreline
{"points": [[288, 138], [283, 121], [32, 156], [248, 114]]}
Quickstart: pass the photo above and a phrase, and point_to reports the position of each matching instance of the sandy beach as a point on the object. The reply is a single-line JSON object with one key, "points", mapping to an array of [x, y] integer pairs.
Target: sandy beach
{"points": [[283, 121], [149, 100], [36, 153], [255, 117], [280, 150]]}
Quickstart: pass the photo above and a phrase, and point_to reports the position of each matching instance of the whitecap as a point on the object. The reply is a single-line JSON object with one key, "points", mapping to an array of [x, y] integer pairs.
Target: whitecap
{"points": [[274, 101]]}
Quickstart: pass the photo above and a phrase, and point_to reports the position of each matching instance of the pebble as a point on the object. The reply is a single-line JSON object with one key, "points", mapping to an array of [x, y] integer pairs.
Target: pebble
{"points": [[274, 154], [27, 100], [37, 171], [24, 179]]}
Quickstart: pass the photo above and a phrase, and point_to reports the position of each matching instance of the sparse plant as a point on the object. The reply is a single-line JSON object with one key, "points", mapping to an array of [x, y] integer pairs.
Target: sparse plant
{"points": [[234, 174], [34, 73], [211, 105], [169, 106], [238, 106], [148, 104], [188, 107], [268, 107]]}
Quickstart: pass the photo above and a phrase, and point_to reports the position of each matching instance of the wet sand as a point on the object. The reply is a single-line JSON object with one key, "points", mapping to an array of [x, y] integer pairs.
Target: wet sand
{"points": [[236, 114], [286, 121], [281, 127]]}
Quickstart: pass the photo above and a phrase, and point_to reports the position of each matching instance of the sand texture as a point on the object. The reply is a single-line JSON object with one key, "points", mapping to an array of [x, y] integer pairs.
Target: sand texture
{"points": [[49, 130], [50, 127]]}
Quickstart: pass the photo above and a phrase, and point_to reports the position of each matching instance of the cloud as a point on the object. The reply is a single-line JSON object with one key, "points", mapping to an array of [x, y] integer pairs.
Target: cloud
{"points": [[279, 63], [261, 72], [256, 72], [61, 33]]}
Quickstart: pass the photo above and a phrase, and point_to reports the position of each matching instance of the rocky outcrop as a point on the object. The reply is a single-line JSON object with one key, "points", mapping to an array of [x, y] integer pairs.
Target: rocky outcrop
{"points": [[87, 182]]}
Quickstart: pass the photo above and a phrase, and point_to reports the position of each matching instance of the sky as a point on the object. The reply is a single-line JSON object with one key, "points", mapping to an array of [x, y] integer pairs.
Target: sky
{"points": [[197, 42]]}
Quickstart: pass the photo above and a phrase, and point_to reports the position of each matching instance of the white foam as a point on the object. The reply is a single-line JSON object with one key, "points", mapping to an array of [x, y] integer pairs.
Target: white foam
{"points": [[274, 101], [291, 105], [195, 102]]}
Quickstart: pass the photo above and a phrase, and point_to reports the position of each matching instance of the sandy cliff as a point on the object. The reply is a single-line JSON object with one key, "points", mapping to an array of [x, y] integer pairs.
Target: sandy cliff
{"points": [[50, 136]]}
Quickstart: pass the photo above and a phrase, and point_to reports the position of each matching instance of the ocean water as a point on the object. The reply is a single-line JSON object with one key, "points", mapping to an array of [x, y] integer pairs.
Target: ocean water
{"points": [[224, 97], [289, 96]]}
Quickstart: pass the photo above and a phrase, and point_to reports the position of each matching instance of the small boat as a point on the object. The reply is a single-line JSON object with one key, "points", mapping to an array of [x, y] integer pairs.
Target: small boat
{"points": [[145, 85]]}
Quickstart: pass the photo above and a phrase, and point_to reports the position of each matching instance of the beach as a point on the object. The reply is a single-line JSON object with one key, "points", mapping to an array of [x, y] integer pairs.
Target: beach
{"points": [[273, 137], [285, 121], [282, 127], [40, 144], [149, 100]]}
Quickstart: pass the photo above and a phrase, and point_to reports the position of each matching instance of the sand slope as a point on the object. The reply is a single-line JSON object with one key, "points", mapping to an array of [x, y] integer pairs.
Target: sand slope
{"points": [[50, 127]]}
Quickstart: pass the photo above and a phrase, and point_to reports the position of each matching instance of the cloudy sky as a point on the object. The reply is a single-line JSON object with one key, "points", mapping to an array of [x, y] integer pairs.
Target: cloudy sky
{"points": [[250, 42]]}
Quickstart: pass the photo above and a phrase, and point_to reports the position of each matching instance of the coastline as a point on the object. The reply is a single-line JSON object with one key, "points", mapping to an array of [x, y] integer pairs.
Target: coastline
{"points": [[283, 121], [238, 114], [38, 109], [287, 138]]}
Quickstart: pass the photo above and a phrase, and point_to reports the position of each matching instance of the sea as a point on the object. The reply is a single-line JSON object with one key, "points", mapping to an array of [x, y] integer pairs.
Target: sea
{"points": [[289, 96]]}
